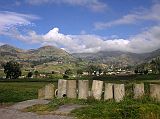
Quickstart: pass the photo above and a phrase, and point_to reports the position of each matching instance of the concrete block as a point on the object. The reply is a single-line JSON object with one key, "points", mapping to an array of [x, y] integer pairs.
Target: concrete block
{"points": [[108, 94], [119, 92], [97, 87], [49, 91], [83, 89], [138, 90], [41, 93], [62, 88], [71, 89], [155, 91]]}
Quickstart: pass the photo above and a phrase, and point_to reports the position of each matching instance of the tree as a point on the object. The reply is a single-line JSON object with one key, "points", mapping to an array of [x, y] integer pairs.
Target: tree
{"points": [[155, 65], [65, 76], [92, 69], [100, 71], [68, 72], [29, 74], [145, 71], [53, 72], [12, 70], [36, 73], [79, 72], [136, 71]]}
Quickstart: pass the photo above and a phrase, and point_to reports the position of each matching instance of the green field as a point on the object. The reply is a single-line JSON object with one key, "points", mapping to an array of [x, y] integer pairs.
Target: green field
{"points": [[11, 92], [144, 108], [17, 90]]}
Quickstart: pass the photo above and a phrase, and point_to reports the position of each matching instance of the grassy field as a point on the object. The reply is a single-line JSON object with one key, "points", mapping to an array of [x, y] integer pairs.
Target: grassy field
{"points": [[11, 92], [123, 77], [144, 108], [129, 108], [22, 89], [17, 90]]}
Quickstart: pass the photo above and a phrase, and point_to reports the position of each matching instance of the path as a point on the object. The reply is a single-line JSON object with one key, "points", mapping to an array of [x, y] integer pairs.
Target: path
{"points": [[13, 112]]}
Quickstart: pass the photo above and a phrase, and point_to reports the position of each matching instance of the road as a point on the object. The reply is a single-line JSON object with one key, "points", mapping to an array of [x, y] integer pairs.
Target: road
{"points": [[13, 112]]}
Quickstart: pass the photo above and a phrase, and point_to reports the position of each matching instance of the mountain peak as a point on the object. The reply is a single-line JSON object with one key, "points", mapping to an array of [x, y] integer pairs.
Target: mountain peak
{"points": [[9, 48]]}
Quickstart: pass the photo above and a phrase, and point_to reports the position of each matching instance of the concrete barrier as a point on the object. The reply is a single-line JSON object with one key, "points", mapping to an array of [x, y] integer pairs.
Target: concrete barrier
{"points": [[138, 90], [62, 87], [97, 87], [155, 91], [119, 92], [83, 89], [71, 89], [108, 93], [49, 91], [41, 93]]}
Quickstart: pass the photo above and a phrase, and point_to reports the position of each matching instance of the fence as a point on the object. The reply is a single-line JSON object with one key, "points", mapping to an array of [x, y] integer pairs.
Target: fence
{"points": [[99, 90]]}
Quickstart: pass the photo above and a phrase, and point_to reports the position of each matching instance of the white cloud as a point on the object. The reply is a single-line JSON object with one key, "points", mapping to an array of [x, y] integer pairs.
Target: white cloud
{"points": [[152, 14], [1, 43], [146, 41], [94, 5], [13, 19]]}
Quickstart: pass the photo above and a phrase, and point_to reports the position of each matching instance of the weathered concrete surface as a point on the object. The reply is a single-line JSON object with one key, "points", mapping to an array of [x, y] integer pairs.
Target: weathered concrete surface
{"points": [[49, 91], [83, 89], [28, 103], [108, 94], [62, 88], [155, 91], [13, 112], [119, 92], [138, 90], [71, 89], [97, 87], [41, 93]]}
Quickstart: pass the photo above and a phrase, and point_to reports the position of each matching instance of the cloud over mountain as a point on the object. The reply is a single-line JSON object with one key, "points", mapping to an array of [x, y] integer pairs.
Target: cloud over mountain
{"points": [[143, 42]]}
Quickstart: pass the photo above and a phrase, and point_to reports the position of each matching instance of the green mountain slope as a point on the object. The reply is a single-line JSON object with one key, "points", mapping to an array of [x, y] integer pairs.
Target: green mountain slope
{"points": [[35, 56]]}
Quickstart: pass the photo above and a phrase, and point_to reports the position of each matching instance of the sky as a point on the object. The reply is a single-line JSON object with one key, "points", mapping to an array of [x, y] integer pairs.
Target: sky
{"points": [[79, 26]]}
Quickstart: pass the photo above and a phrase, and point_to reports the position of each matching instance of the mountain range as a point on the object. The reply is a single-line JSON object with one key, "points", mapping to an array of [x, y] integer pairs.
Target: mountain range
{"points": [[50, 53], [34, 56]]}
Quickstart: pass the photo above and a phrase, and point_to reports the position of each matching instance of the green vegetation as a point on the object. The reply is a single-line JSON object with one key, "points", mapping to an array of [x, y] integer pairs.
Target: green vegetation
{"points": [[16, 92], [127, 109], [123, 77], [144, 108], [12, 70]]}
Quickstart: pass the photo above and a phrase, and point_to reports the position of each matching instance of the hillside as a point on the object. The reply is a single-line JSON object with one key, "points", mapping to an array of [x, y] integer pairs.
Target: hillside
{"points": [[52, 55], [118, 58], [35, 56]]}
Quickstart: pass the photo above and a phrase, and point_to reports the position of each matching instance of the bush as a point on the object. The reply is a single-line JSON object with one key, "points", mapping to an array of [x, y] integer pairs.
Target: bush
{"points": [[65, 76], [29, 74]]}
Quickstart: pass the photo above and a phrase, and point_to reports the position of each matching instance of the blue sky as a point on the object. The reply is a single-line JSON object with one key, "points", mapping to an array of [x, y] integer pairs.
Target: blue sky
{"points": [[81, 25]]}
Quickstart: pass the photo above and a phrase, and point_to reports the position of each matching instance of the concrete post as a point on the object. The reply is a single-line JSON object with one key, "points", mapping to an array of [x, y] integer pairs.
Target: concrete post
{"points": [[138, 90], [155, 91], [119, 92], [71, 89], [62, 87], [108, 94], [41, 93], [97, 87], [49, 91], [83, 88]]}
